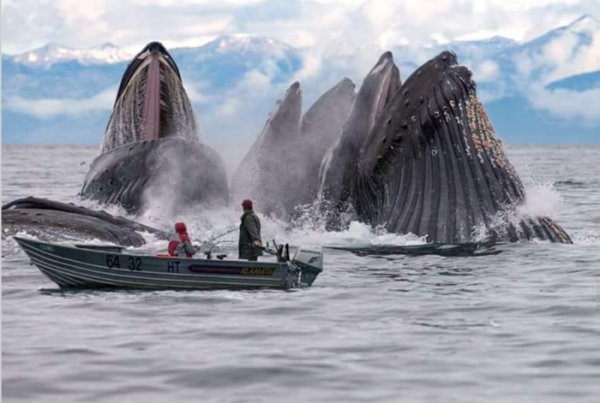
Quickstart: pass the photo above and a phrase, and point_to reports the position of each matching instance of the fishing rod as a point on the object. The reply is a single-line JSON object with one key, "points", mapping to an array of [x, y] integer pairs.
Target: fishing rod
{"points": [[212, 240], [229, 231]]}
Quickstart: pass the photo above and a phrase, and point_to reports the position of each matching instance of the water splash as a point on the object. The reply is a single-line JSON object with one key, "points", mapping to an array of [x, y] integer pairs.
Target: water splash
{"points": [[204, 224], [542, 199], [357, 234]]}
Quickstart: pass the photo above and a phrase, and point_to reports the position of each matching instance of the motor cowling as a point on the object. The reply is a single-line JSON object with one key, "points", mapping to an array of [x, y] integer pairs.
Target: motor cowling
{"points": [[310, 263]]}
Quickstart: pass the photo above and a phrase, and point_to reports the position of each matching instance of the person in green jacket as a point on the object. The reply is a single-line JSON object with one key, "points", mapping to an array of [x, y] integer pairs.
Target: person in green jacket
{"points": [[250, 245]]}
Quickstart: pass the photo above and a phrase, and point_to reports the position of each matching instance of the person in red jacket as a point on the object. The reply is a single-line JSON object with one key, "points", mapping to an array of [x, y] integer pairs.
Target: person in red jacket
{"points": [[180, 244]]}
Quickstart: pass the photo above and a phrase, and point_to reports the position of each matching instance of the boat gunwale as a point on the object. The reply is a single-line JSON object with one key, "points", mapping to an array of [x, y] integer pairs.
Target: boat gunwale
{"points": [[207, 262], [63, 269]]}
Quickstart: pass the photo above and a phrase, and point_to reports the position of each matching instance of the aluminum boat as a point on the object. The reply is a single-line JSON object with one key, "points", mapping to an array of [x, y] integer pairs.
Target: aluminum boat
{"points": [[98, 266]]}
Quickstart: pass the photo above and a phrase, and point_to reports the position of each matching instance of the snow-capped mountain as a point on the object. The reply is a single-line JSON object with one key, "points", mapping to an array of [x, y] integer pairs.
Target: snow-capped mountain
{"points": [[246, 45], [223, 62], [233, 82], [50, 54], [566, 51], [108, 53], [586, 28], [57, 94]]}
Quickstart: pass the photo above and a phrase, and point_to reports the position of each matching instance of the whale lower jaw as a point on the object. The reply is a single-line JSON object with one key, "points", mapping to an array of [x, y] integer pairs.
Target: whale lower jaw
{"points": [[173, 171], [52, 220]]}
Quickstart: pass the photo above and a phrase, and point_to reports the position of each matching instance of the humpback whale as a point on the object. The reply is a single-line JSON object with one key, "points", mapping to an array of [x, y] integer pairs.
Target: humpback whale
{"points": [[49, 219], [430, 163], [339, 169], [152, 147], [281, 169], [151, 152], [417, 157]]}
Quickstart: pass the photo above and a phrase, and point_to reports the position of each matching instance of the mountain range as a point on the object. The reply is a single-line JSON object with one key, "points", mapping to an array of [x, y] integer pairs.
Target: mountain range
{"points": [[540, 91]]}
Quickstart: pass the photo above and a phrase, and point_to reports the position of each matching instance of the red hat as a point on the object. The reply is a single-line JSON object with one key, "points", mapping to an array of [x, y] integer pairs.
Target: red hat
{"points": [[247, 204], [180, 227]]}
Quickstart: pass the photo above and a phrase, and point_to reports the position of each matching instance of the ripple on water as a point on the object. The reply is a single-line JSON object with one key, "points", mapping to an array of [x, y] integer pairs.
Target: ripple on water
{"points": [[520, 326]]}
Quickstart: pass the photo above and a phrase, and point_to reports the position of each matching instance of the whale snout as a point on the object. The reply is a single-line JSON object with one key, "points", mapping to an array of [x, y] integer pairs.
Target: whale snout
{"points": [[156, 47]]}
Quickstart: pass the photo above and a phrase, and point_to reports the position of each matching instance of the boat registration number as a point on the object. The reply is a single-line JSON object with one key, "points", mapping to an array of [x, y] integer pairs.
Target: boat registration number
{"points": [[133, 262]]}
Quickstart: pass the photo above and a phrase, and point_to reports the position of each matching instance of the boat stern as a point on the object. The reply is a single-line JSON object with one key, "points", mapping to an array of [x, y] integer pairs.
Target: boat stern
{"points": [[310, 263]]}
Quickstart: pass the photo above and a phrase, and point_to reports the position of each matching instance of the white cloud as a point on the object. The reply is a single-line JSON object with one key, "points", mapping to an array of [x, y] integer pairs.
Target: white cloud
{"points": [[566, 103], [50, 107], [123, 22], [560, 49], [487, 71], [73, 11], [256, 81], [255, 85], [196, 93], [338, 37], [229, 108], [311, 66], [572, 51], [299, 22], [568, 61]]}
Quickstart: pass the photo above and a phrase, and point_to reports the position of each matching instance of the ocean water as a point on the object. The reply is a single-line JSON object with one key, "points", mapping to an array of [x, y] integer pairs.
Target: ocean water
{"points": [[521, 326]]}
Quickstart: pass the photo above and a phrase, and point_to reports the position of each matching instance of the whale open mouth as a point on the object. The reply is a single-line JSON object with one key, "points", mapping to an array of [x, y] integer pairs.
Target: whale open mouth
{"points": [[151, 102], [152, 141]]}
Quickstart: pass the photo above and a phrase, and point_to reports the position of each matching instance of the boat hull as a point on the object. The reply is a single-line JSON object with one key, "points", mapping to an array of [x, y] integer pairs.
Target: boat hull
{"points": [[80, 267]]}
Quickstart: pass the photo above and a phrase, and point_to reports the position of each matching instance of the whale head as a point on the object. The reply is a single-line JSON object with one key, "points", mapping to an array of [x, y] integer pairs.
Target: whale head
{"points": [[152, 156], [151, 102]]}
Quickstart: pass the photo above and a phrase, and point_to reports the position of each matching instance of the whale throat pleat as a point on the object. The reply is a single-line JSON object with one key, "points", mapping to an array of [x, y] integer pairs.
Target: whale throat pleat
{"points": [[432, 166]]}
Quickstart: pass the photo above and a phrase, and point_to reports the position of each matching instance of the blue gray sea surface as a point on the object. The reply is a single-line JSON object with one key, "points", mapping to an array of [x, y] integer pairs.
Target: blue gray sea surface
{"points": [[521, 326]]}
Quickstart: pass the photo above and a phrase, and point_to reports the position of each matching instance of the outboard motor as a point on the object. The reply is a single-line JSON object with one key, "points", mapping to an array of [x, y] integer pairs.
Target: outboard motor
{"points": [[310, 263]]}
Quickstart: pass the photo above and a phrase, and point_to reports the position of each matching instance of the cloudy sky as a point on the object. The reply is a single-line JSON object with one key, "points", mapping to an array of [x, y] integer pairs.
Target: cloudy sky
{"points": [[27, 24], [336, 38]]}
